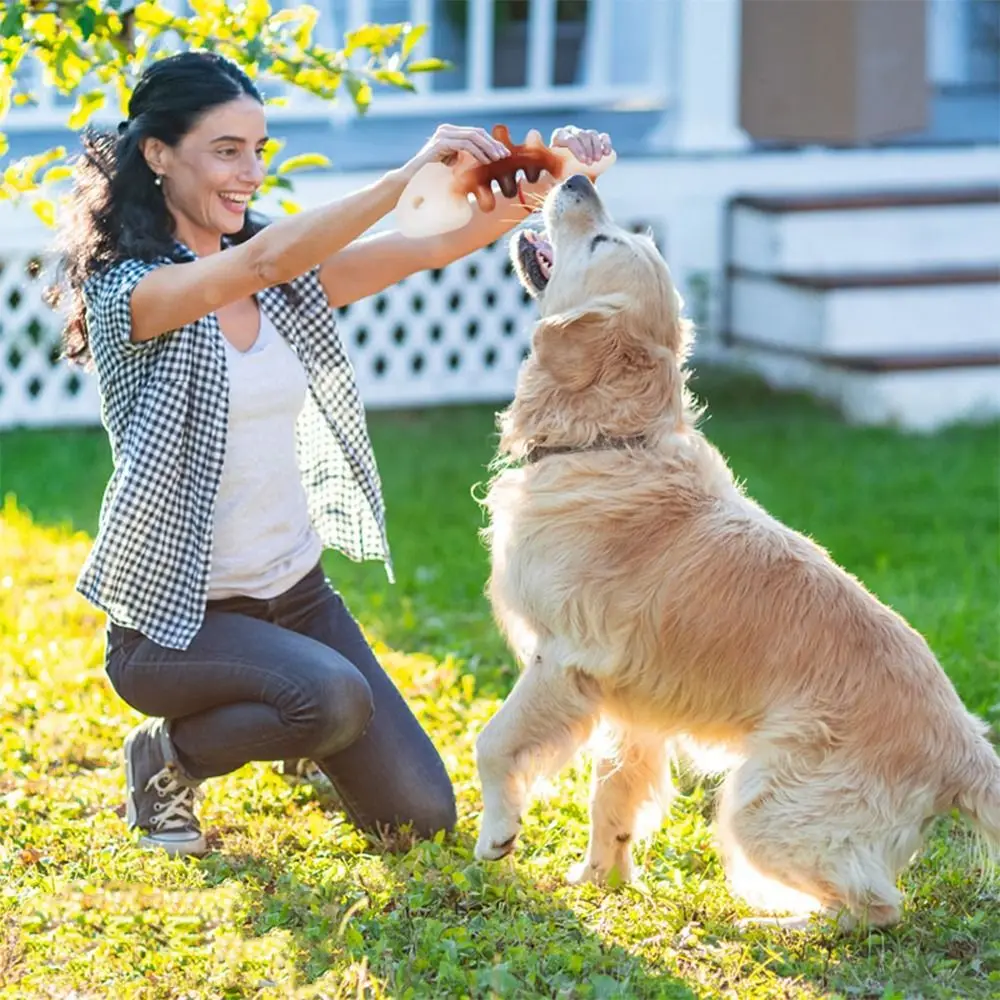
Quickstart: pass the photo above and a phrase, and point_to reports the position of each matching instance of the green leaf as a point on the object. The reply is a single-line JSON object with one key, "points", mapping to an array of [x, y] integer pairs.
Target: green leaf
{"points": [[375, 37], [393, 78], [45, 209], [302, 161], [55, 174], [152, 15], [428, 65], [46, 29], [86, 21], [86, 105], [412, 37], [271, 148], [290, 206], [13, 20], [257, 11], [303, 36], [360, 91]]}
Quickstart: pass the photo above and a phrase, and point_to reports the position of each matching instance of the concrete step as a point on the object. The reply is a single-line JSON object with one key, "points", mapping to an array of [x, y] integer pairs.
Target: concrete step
{"points": [[868, 315], [915, 394], [948, 228]]}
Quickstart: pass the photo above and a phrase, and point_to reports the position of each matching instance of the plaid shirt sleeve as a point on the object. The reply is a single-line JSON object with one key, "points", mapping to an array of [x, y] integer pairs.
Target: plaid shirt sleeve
{"points": [[109, 301]]}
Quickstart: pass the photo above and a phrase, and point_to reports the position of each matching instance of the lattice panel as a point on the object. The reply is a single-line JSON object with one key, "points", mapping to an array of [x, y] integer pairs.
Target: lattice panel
{"points": [[456, 335], [453, 335], [37, 388]]}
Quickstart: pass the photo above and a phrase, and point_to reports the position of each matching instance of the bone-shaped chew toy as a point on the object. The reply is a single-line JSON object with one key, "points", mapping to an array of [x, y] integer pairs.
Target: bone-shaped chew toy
{"points": [[436, 200]]}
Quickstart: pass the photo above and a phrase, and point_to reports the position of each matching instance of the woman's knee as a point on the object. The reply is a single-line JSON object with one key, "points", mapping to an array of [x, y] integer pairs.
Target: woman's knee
{"points": [[341, 707]]}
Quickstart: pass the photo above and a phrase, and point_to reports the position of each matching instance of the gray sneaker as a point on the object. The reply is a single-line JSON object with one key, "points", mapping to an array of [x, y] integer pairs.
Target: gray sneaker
{"points": [[161, 797]]}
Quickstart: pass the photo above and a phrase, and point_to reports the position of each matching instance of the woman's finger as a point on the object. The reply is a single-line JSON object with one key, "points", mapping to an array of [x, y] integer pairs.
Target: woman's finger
{"points": [[606, 147], [456, 145], [492, 148]]}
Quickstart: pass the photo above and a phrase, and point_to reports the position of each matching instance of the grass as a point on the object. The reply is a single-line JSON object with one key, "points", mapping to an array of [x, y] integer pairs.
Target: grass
{"points": [[293, 902]]}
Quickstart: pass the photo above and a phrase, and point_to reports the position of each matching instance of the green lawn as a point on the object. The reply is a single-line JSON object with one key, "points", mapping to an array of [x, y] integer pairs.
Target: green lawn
{"points": [[295, 903]]}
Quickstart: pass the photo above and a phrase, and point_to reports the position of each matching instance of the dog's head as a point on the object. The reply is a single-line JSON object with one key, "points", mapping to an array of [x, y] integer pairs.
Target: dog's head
{"points": [[610, 341]]}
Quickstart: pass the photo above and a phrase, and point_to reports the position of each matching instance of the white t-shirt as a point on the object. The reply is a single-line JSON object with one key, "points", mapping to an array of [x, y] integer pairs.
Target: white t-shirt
{"points": [[263, 541]]}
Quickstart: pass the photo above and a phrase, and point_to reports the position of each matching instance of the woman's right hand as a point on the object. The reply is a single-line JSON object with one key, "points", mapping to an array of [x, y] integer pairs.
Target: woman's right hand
{"points": [[448, 141]]}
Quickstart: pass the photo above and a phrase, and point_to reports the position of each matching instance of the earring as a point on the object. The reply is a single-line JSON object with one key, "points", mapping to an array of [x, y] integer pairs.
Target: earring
{"points": [[159, 180]]}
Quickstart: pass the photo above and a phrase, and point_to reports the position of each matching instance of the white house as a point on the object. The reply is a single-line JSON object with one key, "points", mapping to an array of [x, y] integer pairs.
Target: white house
{"points": [[823, 177]]}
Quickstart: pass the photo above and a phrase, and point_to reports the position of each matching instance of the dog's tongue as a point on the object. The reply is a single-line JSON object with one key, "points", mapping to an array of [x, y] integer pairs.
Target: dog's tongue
{"points": [[543, 252]]}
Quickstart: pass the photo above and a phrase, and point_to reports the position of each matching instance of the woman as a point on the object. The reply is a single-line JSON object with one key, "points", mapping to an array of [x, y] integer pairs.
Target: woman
{"points": [[241, 451]]}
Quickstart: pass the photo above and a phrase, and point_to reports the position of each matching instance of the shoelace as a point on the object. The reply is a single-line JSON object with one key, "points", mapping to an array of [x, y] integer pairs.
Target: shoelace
{"points": [[177, 812]]}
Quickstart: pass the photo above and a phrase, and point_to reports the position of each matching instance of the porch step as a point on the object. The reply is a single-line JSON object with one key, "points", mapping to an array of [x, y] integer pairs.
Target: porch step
{"points": [[884, 303], [946, 228], [868, 314], [919, 394]]}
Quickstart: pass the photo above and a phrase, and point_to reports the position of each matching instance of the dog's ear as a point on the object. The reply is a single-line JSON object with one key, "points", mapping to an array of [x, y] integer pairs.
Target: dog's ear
{"points": [[579, 346]]}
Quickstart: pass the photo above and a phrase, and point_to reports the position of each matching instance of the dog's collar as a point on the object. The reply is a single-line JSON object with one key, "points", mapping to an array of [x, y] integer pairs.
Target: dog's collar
{"points": [[601, 443]]}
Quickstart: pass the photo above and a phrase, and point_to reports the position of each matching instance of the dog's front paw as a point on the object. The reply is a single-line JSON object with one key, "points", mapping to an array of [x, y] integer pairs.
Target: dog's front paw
{"points": [[593, 871], [496, 842]]}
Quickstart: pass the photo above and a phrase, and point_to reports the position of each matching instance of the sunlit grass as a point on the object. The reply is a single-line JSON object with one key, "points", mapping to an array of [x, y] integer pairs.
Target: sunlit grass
{"points": [[294, 902]]}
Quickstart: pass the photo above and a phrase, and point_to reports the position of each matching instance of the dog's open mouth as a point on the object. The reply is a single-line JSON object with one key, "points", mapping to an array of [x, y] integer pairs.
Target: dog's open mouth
{"points": [[534, 254]]}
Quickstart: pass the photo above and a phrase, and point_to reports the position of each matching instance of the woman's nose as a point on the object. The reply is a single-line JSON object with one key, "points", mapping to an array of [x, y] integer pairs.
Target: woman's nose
{"points": [[254, 170]]}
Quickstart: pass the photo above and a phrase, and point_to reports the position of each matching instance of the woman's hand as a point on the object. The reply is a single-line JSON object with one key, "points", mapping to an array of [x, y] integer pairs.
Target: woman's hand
{"points": [[586, 145], [450, 140]]}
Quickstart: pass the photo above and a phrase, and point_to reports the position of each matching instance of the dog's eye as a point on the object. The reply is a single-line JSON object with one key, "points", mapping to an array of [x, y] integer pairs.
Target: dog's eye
{"points": [[599, 238]]}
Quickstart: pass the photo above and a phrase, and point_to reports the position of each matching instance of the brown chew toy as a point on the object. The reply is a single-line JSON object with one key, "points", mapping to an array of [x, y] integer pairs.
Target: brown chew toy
{"points": [[436, 200]]}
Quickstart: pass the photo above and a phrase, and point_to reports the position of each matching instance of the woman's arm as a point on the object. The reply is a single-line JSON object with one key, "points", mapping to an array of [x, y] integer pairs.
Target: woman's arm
{"points": [[171, 297], [373, 263]]}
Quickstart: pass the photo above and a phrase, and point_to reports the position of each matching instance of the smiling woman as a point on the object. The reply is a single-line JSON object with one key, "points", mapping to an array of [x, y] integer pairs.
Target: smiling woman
{"points": [[241, 451]]}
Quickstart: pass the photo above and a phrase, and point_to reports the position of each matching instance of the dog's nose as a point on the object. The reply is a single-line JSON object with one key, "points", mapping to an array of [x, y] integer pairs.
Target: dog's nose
{"points": [[580, 184]]}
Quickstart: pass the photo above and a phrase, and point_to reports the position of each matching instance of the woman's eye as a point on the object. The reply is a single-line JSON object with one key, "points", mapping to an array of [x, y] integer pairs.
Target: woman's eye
{"points": [[226, 152]]}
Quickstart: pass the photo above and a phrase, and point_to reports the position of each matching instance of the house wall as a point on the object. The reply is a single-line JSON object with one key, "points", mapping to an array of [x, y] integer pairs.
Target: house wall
{"points": [[459, 335]]}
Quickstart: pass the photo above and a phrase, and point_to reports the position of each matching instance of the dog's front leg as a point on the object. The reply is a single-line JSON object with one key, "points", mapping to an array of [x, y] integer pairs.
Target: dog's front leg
{"points": [[544, 721], [630, 789]]}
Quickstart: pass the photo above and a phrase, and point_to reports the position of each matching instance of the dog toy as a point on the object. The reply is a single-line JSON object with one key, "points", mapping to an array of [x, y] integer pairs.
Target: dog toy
{"points": [[437, 198]]}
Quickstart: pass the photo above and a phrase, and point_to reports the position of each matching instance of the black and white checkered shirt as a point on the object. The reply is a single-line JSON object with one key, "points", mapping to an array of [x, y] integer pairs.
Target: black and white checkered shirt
{"points": [[164, 403]]}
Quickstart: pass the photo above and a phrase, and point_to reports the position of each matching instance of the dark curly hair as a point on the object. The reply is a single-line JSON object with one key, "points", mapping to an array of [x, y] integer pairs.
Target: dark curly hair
{"points": [[116, 211]]}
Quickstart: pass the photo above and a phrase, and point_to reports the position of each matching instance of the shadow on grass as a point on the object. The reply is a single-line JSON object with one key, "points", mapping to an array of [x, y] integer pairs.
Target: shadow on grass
{"points": [[435, 922], [424, 915]]}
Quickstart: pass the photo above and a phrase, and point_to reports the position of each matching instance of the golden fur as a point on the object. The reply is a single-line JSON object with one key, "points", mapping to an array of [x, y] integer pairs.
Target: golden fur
{"points": [[642, 589]]}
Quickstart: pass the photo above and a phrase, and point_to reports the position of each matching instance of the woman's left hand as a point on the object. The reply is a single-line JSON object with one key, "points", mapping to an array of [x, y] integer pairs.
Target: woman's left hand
{"points": [[587, 145]]}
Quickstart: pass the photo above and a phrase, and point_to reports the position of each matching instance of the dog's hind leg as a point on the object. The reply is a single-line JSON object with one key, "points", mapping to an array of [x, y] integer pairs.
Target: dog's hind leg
{"points": [[630, 788], [814, 833], [544, 721]]}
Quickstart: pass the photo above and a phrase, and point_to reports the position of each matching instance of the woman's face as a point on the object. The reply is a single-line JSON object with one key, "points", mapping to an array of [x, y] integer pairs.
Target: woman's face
{"points": [[210, 175]]}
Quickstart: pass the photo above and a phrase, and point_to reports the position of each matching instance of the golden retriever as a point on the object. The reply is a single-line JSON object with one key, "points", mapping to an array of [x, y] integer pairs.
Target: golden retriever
{"points": [[643, 590]]}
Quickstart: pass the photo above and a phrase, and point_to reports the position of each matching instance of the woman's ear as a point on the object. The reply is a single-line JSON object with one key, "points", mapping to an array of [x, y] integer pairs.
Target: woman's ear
{"points": [[154, 153], [578, 346]]}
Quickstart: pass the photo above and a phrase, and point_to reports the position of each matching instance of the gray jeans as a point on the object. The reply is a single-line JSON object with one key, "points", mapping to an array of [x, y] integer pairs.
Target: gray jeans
{"points": [[290, 677]]}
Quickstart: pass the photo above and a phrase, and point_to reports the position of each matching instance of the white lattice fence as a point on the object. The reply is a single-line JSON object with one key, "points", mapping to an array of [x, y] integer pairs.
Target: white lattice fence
{"points": [[37, 388], [452, 335], [445, 336]]}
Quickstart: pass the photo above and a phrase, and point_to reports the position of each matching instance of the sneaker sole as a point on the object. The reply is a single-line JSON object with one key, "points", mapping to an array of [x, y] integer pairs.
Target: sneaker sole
{"points": [[175, 848]]}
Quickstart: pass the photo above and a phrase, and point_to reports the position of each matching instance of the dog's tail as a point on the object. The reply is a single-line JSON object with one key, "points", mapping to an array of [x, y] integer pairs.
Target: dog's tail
{"points": [[979, 796]]}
